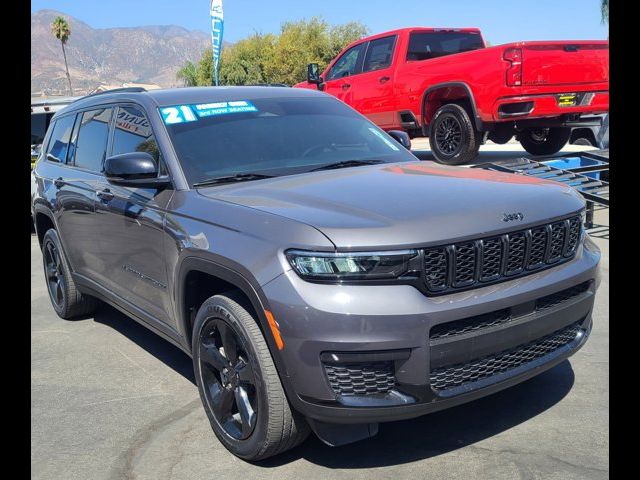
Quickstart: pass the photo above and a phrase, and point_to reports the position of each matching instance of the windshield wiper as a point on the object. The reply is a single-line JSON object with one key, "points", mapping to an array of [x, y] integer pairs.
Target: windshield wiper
{"points": [[346, 163], [239, 177]]}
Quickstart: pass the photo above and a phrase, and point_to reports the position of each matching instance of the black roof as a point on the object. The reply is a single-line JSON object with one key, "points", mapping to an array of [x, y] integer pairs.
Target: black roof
{"points": [[189, 95]]}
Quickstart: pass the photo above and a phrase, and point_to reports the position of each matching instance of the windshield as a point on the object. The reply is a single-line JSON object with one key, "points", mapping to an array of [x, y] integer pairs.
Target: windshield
{"points": [[273, 136]]}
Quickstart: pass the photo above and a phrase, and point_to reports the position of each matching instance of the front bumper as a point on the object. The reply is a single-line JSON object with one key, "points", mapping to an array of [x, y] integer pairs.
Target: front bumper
{"points": [[317, 320]]}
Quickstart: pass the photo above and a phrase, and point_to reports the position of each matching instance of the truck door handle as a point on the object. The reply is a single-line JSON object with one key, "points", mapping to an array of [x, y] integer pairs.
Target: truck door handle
{"points": [[384, 79], [58, 182], [346, 86], [105, 195]]}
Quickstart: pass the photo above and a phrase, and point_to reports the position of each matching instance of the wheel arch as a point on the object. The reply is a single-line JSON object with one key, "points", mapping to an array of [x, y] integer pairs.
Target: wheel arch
{"points": [[43, 220], [448, 92], [219, 278], [583, 132]]}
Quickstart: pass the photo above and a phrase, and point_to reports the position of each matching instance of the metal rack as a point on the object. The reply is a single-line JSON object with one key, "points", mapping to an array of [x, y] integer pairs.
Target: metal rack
{"points": [[582, 171]]}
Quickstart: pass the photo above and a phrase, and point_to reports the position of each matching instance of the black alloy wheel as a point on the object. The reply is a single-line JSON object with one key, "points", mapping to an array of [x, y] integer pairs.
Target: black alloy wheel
{"points": [[66, 298], [453, 138], [228, 379], [54, 273], [238, 383], [448, 135]]}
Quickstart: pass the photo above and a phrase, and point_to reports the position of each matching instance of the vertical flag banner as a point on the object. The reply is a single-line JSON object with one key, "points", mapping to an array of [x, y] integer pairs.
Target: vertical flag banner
{"points": [[217, 26]]}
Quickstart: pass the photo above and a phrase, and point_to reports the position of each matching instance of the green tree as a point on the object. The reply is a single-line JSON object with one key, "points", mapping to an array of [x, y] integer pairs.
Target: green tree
{"points": [[246, 62], [269, 58], [604, 11], [60, 29], [204, 75]]}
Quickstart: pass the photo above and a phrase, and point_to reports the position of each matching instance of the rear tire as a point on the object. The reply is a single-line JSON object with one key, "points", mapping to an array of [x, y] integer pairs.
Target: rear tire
{"points": [[65, 298], [544, 141], [453, 138], [248, 378], [583, 141]]}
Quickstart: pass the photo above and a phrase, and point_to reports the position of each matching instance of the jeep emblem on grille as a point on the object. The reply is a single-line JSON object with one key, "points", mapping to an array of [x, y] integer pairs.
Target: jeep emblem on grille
{"points": [[508, 217]]}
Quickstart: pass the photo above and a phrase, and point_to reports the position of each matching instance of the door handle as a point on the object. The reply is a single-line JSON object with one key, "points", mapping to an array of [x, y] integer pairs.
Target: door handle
{"points": [[384, 79], [346, 86], [105, 195], [58, 182]]}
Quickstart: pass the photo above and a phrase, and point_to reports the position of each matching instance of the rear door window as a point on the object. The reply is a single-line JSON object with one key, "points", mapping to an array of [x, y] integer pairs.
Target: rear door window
{"points": [[91, 145], [58, 146], [379, 54], [426, 45]]}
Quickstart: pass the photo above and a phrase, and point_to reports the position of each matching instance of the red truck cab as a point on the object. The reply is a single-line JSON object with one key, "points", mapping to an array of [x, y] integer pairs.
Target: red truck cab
{"points": [[445, 83]]}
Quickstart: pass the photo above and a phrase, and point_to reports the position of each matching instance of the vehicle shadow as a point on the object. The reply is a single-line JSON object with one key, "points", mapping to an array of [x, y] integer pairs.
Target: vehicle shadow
{"points": [[441, 432], [160, 348], [397, 442]]}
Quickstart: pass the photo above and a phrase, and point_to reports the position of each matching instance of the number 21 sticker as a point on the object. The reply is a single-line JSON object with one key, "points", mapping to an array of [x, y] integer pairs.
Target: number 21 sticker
{"points": [[177, 114]]}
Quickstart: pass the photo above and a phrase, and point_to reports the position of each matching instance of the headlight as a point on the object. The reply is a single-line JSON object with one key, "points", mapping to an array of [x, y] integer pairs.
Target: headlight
{"points": [[351, 266]]}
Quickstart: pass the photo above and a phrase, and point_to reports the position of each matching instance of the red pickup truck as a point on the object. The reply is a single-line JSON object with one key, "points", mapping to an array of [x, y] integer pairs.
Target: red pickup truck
{"points": [[446, 84]]}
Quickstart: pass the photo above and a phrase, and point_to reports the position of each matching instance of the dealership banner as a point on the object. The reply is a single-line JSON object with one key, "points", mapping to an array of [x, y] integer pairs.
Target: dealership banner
{"points": [[217, 25]]}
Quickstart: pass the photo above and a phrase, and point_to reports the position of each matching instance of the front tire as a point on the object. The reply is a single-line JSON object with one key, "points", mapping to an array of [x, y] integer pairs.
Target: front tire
{"points": [[65, 297], [238, 382], [544, 141], [453, 138]]}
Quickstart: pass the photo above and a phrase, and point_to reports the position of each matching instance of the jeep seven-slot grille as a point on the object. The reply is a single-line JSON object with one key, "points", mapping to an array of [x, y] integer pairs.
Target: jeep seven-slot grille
{"points": [[457, 375], [494, 259], [361, 378]]}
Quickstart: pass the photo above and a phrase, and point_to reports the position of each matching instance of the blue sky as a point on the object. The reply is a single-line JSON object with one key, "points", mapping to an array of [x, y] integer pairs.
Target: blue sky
{"points": [[501, 20]]}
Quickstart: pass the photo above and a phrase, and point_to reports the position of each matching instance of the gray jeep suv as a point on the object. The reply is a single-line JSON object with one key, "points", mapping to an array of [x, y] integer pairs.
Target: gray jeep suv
{"points": [[319, 275]]}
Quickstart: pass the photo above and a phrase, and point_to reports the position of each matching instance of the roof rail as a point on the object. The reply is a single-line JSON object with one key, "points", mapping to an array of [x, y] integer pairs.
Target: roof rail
{"points": [[113, 90], [116, 90]]}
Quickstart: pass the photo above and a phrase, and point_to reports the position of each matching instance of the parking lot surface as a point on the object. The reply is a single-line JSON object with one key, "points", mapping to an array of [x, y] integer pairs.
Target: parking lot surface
{"points": [[111, 400]]}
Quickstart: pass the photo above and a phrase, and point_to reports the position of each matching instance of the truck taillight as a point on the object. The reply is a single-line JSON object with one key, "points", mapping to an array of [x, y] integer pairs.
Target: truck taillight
{"points": [[514, 72]]}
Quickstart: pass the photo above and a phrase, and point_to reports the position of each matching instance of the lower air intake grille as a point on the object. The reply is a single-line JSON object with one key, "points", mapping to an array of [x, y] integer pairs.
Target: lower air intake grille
{"points": [[361, 378], [471, 324], [456, 375], [562, 296]]}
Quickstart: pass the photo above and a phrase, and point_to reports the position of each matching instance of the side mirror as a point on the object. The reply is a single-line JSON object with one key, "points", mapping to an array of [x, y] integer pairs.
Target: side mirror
{"points": [[313, 74], [401, 137], [136, 169]]}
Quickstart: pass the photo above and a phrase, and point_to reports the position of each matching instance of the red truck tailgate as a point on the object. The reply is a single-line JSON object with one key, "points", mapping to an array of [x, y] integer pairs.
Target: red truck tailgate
{"points": [[562, 63]]}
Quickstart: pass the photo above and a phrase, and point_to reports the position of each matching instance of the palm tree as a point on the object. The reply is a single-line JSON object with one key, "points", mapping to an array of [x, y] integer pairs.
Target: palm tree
{"points": [[604, 10], [188, 74], [60, 29]]}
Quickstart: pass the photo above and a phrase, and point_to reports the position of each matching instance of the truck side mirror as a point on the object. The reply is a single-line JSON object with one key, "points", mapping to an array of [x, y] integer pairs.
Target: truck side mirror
{"points": [[313, 74]]}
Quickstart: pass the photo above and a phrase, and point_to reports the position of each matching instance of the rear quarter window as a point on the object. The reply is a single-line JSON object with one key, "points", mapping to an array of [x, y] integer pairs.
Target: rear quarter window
{"points": [[58, 146]]}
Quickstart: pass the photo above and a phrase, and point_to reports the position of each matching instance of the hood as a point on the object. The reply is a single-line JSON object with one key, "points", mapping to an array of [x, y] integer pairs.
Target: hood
{"points": [[405, 205]]}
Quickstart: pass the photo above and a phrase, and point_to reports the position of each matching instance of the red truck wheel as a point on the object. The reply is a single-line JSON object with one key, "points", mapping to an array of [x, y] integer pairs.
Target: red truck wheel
{"points": [[452, 137], [544, 141]]}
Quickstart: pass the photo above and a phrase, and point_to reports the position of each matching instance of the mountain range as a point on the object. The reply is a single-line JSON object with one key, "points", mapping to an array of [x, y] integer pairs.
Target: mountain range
{"points": [[112, 56]]}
